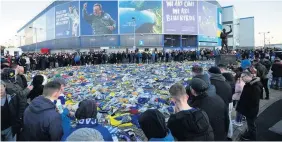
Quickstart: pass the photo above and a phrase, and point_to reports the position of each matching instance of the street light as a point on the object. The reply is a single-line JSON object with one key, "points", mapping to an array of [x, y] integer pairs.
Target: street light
{"points": [[264, 37], [269, 40], [35, 36], [134, 26], [20, 39]]}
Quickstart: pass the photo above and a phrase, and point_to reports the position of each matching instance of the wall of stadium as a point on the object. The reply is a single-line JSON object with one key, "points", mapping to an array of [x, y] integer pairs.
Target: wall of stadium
{"points": [[158, 23]]}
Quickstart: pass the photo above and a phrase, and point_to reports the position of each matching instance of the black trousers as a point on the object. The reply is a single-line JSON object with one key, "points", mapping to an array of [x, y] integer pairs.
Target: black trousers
{"points": [[265, 86], [252, 129]]}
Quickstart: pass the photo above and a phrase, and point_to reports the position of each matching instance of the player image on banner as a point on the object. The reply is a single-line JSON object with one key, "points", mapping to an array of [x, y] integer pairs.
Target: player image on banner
{"points": [[101, 22], [73, 20], [67, 20]]}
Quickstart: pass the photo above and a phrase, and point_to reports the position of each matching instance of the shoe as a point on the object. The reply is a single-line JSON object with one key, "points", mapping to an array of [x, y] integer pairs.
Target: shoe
{"points": [[239, 124], [245, 138], [267, 98]]}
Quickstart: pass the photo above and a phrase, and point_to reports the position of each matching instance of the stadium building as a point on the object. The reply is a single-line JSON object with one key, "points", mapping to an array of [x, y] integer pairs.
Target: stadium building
{"points": [[119, 24]]}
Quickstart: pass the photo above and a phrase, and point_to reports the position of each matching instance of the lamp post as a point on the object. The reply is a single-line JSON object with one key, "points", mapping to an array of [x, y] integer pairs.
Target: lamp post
{"points": [[264, 33], [35, 35], [20, 39], [134, 36], [269, 41]]}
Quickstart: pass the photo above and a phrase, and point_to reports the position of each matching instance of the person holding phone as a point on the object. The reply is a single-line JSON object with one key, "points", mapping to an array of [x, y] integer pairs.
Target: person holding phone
{"points": [[188, 123]]}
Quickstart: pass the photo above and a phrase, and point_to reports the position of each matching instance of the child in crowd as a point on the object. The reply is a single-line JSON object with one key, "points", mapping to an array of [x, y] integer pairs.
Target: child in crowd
{"points": [[236, 96]]}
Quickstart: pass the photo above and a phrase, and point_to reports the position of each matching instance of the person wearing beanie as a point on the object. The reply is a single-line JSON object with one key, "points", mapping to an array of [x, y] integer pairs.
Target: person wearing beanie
{"points": [[219, 121], [188, 123], [86, 116], [85, 134], [152, 122], [38, 83], [223, 88], [198, 72]]}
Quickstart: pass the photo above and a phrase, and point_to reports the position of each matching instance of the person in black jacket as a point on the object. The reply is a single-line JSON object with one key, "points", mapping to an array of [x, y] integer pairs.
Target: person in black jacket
{"points": [[248, 104], [262, 74], [223, 88], [19, 102], [152, 123], [210, 104], [277, 74], [189, 123], [41, 121], [8, 106], [228, 76]]}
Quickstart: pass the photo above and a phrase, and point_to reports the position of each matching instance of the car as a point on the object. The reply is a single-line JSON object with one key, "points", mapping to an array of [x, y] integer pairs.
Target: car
{"points": [[278, 54]]}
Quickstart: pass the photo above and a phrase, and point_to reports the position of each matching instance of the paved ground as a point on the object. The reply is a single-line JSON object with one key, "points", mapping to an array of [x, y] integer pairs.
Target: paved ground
{"points": [[264, 104], [266, 120]]}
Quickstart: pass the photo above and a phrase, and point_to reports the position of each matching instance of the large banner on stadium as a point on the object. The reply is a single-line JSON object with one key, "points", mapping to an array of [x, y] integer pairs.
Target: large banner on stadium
{"points": [[140, 16], [67, 20], [99, 17], [207, 19], [180, 17]]}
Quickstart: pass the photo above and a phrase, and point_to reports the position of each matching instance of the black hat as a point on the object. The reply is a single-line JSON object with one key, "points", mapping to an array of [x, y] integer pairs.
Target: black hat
{"points": [[214, 70], [198, 85]]}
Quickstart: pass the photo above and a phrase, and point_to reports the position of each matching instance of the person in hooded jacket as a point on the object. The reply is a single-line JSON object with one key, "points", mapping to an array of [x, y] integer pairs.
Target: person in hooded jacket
{"points": [[86, 114], [153, 124], [219, 121], [189, 123], [248, 104], [41, 120], [228, 76], [38, 83], [231, 80], [223, 88], [198, 72]]}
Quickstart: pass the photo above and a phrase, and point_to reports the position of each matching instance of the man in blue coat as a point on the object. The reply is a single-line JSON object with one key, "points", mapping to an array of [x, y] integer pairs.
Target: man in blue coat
{"points": [[41, 121]]}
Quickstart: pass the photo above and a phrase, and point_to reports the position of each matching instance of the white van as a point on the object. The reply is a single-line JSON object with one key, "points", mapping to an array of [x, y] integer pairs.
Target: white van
{"points": [[13, 51]]}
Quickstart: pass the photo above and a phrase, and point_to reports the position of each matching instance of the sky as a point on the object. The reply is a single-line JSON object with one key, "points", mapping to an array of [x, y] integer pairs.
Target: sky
{"points": [[15, 13]]}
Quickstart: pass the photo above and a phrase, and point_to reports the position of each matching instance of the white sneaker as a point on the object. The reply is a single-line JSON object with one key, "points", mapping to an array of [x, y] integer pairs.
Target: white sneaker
{"points": [[239, 124]]}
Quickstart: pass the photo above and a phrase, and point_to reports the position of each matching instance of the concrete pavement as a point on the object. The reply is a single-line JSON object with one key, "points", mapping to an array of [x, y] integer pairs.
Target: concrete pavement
{"points": [[275, 95]]}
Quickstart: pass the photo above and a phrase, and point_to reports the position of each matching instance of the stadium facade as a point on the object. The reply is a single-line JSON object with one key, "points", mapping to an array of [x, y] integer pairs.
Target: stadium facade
{"points": [[121, 24]]}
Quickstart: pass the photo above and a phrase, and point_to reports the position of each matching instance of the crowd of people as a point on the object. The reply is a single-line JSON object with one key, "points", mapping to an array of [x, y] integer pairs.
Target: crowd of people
{"points": [[36, 61], [202, 110]]}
